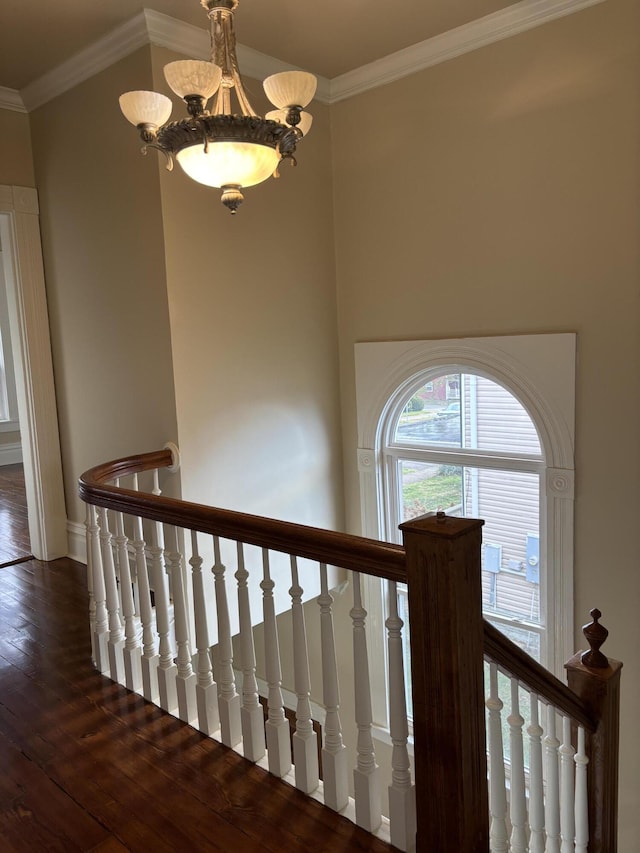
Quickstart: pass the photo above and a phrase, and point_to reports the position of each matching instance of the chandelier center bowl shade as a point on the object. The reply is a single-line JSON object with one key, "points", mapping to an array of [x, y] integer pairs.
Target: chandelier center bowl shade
{"points": [[222, 147]]}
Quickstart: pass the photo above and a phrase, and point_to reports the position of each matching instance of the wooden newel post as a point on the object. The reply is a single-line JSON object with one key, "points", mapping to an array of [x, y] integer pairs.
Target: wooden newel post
{"points": [[445, 616], [596, 680]]}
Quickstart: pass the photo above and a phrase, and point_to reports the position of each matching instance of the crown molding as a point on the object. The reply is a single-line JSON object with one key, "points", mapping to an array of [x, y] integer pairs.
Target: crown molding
{"points": [[151, 27], [186, 39], [492, 28], [91, 60], [10, 99], [147, 27]]}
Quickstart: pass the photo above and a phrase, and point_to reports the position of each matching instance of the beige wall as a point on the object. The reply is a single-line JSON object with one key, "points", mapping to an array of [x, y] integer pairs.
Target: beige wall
{"points": [[506, 201], [9, 437], [253, 331], [16, 160], [101, 224]]}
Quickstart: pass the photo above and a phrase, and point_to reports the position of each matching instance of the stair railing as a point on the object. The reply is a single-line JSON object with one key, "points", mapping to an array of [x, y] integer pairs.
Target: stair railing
{"points": [[152, 607]]}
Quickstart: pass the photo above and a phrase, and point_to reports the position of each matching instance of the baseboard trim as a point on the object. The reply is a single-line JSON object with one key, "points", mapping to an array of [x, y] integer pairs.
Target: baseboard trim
{"points": [[77, 539], [10, 454]]}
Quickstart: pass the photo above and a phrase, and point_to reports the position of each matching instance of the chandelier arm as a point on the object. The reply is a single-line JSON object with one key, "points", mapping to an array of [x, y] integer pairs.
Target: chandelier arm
{"points": [[167, 154], [245, 106], [218, 109]]}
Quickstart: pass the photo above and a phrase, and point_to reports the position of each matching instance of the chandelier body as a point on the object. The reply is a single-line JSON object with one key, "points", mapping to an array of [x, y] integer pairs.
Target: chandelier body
{"points": [[222, 148]]}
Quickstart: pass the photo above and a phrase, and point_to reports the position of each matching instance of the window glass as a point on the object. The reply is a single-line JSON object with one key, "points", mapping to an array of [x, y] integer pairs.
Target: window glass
{"points": [[437, 463], [467, 411], [4, 402], [509, 503], [8, 406]]}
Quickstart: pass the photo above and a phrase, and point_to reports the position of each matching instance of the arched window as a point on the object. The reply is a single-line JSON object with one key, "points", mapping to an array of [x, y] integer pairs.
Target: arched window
{"points": [[482, 427], [462, 443]]}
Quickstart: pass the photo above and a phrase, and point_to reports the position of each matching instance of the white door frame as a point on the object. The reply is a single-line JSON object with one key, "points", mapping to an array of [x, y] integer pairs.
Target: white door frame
{"points": [[31, 347]]}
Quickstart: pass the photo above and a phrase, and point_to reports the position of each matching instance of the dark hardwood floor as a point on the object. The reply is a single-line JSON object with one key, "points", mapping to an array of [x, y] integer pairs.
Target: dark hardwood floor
{"points": [[14, 529], [87, 766]]}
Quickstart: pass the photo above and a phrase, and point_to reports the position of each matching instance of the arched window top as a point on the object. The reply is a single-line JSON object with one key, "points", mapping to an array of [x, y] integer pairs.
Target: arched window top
{"points": [[462, 411], [539, 370]]}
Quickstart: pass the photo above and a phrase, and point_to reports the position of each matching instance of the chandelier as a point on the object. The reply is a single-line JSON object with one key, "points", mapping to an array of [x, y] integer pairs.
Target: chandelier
{"points": [[218, 147]]}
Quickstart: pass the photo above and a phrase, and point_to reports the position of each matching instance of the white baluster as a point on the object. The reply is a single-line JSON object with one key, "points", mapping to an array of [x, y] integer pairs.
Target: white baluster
{"points": [[277, 725], [167, 670], [132, 651], [228, 699], [116, 634], [185, 676], [582, 804], [366, 776], [536, 782], [92, 599], [251, 714], [101, 629], [206, 688], [402, 793], [518, 810], [499, 836], [305, 740], [567, 789], [150, 657], [334, 752], [133, 570], [552, 775]]}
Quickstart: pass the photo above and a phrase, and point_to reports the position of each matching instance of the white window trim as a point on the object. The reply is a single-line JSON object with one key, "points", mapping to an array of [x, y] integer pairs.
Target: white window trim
{"points": [[540, 371]]}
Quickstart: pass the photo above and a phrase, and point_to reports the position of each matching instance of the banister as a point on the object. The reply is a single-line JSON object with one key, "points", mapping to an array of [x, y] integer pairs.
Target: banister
{"points": [[383, 560], [136, 464], [355, 553], [520, 665], [441, 565]]}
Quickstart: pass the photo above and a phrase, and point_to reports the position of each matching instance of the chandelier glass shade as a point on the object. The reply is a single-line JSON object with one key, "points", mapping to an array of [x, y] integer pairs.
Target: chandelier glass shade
{"points": [[240, 164], [219, 147]]}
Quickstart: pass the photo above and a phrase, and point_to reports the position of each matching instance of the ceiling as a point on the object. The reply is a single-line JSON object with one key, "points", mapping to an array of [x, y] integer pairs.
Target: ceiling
{"points": [[328, 38]]}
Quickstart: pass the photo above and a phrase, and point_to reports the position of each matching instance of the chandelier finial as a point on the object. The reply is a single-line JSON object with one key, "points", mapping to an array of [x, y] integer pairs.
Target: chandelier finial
{"points": [[213, 5]]}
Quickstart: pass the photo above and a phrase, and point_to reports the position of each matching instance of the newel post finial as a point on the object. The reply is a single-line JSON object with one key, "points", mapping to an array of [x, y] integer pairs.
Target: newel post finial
{"points": [[596, 680], [596, 634]]}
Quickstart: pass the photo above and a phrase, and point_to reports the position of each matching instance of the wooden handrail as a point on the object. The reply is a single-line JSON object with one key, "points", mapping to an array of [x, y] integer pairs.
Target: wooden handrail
{"points": [[343, 550], [520, 665], [381, 559]]}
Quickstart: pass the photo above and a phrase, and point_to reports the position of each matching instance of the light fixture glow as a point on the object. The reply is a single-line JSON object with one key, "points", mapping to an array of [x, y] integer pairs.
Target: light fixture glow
{"points": [[238, 164], [225, 148]]}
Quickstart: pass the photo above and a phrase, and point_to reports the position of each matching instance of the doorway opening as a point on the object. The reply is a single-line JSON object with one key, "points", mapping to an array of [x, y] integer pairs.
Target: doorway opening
{"points": [[35, 404], [15, 545]]}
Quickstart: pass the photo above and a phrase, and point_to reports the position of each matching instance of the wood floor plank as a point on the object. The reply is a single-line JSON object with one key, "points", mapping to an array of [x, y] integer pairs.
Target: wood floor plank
{"points": [[14, 526], [41, 809], [87, 765], [111, 845]]}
